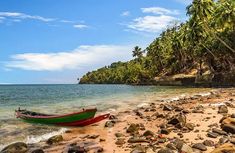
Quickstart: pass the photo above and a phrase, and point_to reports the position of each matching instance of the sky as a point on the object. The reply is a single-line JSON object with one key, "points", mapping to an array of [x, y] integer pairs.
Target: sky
{"points": [[58, 41]]}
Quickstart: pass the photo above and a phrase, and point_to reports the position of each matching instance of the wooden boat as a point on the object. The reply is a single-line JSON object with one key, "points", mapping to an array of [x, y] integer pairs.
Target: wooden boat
{"points": [[66, 119]]}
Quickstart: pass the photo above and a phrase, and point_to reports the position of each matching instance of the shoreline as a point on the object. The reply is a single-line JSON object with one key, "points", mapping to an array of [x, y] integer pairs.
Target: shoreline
{"points": [[114, 138]]}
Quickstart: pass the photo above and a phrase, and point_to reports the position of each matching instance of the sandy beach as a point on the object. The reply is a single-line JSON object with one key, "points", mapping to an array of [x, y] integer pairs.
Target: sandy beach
{"points": [[192, 124]]}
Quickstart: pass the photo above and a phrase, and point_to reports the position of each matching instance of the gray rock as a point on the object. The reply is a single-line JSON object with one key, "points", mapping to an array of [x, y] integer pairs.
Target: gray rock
{"points": [[37, 151], [232, 140], [119, 135], [186, 149], [133, 128], [109, 124], [165, 131], [148, 133], [223, 140], [167, 108], [208, 143], [165, 150], [233, 115], [199, 146], [229, 128], [120, 141], [220, 132], [139, 149], [212, 135], [18, 147], [76, 149], [223, 109], [178, 120], [54, 139], [171, 146]]}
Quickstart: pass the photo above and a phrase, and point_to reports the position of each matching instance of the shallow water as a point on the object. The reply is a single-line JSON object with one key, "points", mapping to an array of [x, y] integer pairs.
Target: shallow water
{"points": [[71, 98]]}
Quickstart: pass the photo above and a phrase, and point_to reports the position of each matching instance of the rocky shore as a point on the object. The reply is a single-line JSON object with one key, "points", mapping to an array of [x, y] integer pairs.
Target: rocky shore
{"points": [[197, 124]]}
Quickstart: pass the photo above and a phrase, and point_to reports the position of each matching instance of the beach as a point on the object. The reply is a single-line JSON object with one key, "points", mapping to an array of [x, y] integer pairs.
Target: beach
{"points": [[186, 124]]}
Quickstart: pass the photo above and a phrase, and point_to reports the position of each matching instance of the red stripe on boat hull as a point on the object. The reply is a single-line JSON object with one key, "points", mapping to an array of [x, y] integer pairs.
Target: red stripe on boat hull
{"points": [[85, 122]]}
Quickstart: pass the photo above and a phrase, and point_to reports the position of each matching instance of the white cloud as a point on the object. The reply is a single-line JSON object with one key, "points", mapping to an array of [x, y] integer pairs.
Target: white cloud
{"points": [[17, 15], [80, 26], [83, 56], [159, 10], [151, 23], [126, 13]]}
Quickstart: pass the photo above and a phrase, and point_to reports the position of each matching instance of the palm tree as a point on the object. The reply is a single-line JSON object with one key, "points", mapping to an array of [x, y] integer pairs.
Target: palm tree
{"points": [[137, 52]]}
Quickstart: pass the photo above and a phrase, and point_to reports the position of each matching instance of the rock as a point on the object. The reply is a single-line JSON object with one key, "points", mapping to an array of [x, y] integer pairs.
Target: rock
{"points": [[233, 115], [54, 139], [18, 147], [102, 139], [113, 117], [120, 141], [165, 131], [229, 128], [139, 149], [119, 135], [225, 148], [133, 128], [220, 132], [93, 136], [178, 120], [136, 140], [199, 146], [148, 133], [171, 146], [165, 150], [76, 149], [109, 124], [167, 108], [186, 149], [39, 150], [227, 120], [178, 144], [190, 126], [162, 140], [223, 109], [223, 140], [232, 140], [208, 143], [212, 135]]}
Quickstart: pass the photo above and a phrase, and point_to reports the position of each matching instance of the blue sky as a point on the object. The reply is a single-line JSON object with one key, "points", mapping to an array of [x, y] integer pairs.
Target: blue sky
{"points": [[51, 41]]}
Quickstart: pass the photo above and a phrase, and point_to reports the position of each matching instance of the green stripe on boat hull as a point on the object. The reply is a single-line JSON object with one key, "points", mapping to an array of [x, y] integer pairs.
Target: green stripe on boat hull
{"points": [[63, 119]]}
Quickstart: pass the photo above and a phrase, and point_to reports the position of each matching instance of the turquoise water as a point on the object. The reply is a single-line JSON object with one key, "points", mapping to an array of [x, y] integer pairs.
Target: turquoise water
{"points": [[71, 98]]}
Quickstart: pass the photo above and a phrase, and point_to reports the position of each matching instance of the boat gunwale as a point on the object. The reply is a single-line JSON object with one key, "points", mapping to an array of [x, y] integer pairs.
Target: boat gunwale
{"points": [[20, 115]]}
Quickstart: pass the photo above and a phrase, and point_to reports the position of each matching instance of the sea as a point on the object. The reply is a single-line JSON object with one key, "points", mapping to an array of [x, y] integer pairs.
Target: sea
{"points": [[60, 99]]}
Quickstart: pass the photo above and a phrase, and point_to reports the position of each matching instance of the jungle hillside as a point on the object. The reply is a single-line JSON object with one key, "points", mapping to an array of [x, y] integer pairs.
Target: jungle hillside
{"points": [[202, 48]]}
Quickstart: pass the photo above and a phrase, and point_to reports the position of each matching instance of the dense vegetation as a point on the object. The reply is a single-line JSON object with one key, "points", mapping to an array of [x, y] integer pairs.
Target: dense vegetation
{"points": [[205, 41]]}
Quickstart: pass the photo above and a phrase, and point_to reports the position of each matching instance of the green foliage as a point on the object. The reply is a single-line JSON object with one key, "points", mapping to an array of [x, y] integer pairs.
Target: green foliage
{"points": [[207, 38]]}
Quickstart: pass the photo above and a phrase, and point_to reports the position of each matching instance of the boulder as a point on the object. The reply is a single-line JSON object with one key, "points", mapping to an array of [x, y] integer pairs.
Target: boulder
{"points": [[55, 139], [18, 147]]}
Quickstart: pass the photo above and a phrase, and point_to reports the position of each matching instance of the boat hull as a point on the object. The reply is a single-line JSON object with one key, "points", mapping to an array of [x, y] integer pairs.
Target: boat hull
{"points": [[86, 122], [56, 119]]}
